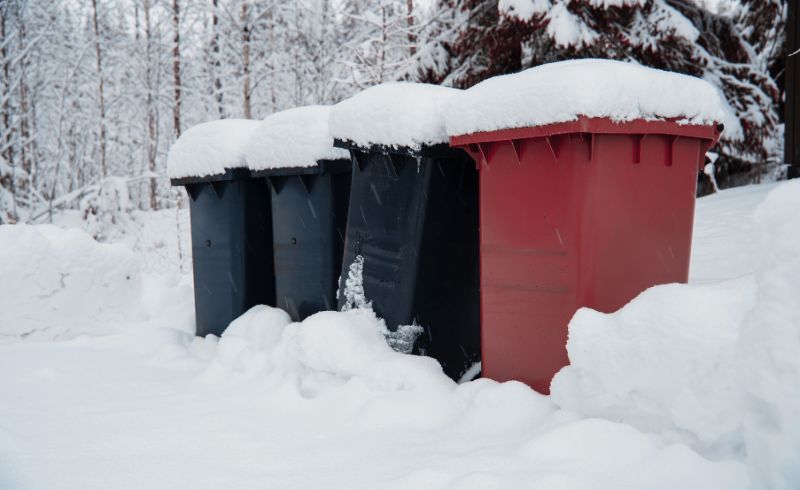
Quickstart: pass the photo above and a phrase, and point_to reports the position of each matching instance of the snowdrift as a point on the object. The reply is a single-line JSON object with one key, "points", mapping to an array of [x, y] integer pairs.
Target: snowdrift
{"points": [[688, 386], [716, 366], [61, 283]]}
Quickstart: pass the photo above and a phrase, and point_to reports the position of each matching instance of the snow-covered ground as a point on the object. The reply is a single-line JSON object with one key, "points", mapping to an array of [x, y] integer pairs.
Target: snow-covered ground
{"points": [[688, 387]]}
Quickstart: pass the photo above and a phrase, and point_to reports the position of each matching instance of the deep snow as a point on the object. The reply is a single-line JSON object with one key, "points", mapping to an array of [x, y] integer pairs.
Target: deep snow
{"points": [[210, 148], [688, 386], [296, 137], [566, 90], [398, 114]]}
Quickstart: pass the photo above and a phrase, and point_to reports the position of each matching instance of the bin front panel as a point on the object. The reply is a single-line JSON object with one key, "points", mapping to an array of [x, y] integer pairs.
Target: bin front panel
{"points": [[231, 251], [530, 247], [309, 215], [414, 224], [384, 227], [576, 220], [642, 217]]}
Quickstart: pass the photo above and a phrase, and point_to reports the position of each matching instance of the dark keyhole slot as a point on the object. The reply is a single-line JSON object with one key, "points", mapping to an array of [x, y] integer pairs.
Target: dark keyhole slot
{"points": [[294, 241], [208, 243]]}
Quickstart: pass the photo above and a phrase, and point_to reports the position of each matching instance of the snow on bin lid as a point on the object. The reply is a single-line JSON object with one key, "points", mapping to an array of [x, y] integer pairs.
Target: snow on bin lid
{"points": [[293, 138], [563, 91], [393, 114], [210, 148]]}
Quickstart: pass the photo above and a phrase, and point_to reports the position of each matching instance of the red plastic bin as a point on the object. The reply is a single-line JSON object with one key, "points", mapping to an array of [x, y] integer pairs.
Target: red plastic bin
{"points": [[583, 213]]}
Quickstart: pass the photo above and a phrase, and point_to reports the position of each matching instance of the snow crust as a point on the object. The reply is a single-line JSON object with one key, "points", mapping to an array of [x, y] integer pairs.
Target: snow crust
{"points": [[564, 91], [210, 148], [296, 137], [393, 114]]}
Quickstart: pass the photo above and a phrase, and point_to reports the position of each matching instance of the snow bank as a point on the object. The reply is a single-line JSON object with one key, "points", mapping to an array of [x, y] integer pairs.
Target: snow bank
{"points": [[323, 351], [61, 283], [769, 351], [664, 363], [274, 404], [393, 114], [339, 364], [293, 138], [714, 365], [564, 91], [210, 148]]}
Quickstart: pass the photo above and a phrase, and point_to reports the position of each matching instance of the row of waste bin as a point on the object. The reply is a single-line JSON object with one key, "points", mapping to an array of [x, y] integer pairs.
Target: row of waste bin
{"points": [[477, 215]]}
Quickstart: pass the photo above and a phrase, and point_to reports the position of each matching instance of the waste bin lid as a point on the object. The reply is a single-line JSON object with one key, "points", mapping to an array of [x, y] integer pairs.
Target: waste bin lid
{"points": [[297, 138], [393, 115], [587, 89], [210, 149]]}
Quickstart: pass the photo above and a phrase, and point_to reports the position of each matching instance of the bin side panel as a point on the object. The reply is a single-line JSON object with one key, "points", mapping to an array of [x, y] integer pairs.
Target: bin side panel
{"points": [[532, 200], [306, 228], [257, 261], [447, 297]]}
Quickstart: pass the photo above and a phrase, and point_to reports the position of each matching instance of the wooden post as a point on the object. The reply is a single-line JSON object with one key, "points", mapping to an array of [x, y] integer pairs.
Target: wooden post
{"points": [[792, 106]]}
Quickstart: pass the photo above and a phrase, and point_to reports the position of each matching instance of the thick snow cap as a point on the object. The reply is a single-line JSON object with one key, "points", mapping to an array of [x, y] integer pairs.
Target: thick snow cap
{"points": [[293, 138], [562, 92], [210, 148], [393, 114]]}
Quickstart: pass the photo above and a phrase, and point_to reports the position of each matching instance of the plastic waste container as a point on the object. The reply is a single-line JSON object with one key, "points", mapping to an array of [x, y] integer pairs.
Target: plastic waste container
{"points": [[309, 219], [587, 212], [309, 188], [230, 221], [411, 245], [231, 247]]}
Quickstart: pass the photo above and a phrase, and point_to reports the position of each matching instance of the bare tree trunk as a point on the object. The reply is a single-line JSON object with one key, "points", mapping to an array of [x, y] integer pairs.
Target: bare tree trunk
{"points": [[412, 37], [176, 68], [7, 153], [24, 113], [216, 63], [151, 116], [101, 95], [246, 61], [384, 40], [136, 22]]}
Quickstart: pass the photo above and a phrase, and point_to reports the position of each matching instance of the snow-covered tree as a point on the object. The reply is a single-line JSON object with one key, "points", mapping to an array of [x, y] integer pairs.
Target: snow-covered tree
{"points": [[472, 44], [62, 135], [382, 40], [494, 38]]}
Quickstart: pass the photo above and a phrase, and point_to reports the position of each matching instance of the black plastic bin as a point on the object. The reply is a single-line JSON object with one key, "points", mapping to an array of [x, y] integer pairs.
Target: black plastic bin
{"points": [[309, 216], [413, 222], [231, 247]]}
